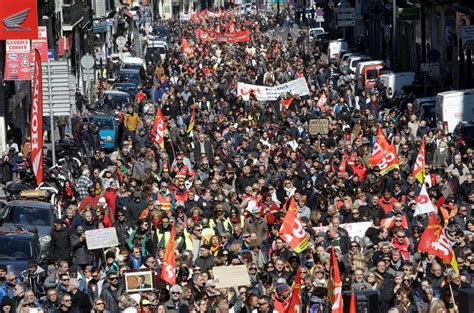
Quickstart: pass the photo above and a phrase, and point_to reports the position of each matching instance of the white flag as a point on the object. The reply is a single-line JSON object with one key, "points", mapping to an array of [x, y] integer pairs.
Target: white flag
{"points": [[423, 203]]}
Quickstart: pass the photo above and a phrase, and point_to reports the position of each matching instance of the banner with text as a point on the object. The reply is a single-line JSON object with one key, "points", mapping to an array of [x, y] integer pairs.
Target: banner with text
{"points": [[209, 35], [297, 87]]}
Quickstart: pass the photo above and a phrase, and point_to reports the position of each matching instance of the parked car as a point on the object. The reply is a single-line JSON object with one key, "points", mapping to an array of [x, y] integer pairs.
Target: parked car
{"points": [[428, 105], [394, 82], [18, 247], [108, 130], [315, 31], [129, 88], [112, 100], [36, 216], [130, 76]]}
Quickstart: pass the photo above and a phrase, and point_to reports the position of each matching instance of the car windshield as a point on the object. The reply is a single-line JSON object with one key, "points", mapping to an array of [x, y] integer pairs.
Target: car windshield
{"points": [[129, 77], [133, 66], [372, 74], [104, 124], [15, 249], [125, 88], [30, 216]]}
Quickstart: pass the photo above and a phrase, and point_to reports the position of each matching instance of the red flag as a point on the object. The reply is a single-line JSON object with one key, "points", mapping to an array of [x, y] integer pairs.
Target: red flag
{"points": [[322, 101], [166, 167], [186, 48], [286, 103], [335, 281], [353, 307], [36, 120], [384, 155], [159, 129], [434, 240], [168, 273], [292, 230], [419, 167], [293, 305]]}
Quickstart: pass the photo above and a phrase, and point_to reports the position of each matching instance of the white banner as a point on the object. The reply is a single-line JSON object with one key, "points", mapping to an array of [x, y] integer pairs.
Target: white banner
{"points": [[354, 229], [184, 16], [297, 87]]}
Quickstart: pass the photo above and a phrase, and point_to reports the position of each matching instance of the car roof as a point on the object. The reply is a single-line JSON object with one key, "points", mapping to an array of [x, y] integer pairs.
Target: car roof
{"points": [[29, 203], [130, 71], [19, 233], [133, 60], [101, 116], [117, 92], [122, 84]]}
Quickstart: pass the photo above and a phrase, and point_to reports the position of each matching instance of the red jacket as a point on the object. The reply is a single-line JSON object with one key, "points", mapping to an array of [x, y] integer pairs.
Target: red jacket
{"points": [[111, 198], [387, 206]]}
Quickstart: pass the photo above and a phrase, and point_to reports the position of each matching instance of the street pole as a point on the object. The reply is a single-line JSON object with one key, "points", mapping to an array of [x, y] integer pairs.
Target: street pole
{"points": [[394, 31], [50, 99]]}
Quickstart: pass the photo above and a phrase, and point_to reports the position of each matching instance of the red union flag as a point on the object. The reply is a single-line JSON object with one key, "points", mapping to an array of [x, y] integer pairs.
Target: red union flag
{"points": [[384, 155], [322, 101], [293, 305], [209, 35], [36, 120], [168, 274], [419, 167], [292, 230], [186, 48], [159, 129], [335, 285], [434, 240], [18, 19]]}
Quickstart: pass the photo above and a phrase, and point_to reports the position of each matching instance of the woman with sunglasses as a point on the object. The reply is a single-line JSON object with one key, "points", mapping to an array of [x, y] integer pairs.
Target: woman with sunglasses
{"points": [[99, 306]]}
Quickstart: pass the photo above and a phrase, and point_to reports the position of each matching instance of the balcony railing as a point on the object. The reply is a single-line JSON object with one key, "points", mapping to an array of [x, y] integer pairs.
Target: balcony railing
{"points": [[73, 14]]}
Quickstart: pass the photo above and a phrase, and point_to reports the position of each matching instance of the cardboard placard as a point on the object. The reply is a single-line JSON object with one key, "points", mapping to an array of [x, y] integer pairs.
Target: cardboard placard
{"points": [[318, 126], [101, 238], [230, 276]]}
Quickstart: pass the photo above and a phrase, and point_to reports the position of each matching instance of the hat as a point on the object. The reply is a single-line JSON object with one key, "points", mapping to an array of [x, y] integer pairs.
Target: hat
{"points": [[281, 288], [32, 263], [210, 283], [145, 301], [102, 201], [74, 268], [3, 267], [137, 194], [360, 285], [206, 246], [125, 143], [447, 170], [6, 300]]}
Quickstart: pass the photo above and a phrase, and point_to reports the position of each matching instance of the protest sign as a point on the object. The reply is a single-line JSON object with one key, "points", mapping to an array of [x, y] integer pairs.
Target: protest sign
{"points": [[354, 229], [230, 276], [101, 238], [318, 126]]}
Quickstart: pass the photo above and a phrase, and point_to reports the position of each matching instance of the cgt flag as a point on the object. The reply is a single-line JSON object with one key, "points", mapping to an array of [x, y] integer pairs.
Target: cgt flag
{"points": [[384, 155], [193, 120], [159, 129], [434, 240], [423, 202], [168, 273], [419, 170], [292, 230], [335, 285], [293, 305], [36, 120]]}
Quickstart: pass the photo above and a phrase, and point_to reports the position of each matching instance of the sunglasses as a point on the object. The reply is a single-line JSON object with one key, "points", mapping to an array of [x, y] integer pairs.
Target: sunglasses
{"points": [[100, 303], [113, 278], [176, 293]]}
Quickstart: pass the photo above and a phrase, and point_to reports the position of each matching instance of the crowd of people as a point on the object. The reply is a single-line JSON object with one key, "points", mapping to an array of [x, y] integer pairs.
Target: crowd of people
{"points": [[225, 184]]}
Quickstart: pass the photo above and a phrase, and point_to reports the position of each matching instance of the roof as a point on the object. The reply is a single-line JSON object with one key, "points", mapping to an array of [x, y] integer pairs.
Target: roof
{"points": [[129, 71], [118, 92], [16, 233], [133, 60], [29, 203], [101, 116]]}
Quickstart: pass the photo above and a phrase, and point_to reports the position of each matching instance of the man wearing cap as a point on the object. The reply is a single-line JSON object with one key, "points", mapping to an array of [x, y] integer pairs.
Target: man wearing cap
{"points": [[135, 207], [34, 277], [255, 223], [205, 260]]}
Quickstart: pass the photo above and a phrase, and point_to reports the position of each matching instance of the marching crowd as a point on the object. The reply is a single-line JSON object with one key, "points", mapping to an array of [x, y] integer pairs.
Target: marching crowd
{"points": [[219, 184]]}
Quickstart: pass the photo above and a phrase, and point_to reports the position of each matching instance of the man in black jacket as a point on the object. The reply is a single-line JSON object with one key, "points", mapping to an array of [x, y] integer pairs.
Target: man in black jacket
{"points": [[60, 246], [79, 298]]}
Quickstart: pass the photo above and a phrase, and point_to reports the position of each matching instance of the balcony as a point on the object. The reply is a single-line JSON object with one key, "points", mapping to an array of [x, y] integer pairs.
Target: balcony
{"points": [[72, 14]]}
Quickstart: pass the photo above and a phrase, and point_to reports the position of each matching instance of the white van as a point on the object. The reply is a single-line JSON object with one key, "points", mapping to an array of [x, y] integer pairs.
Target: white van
{"points": [[335, 48], [453, 107], [133, 63], [396, 81], [354, 60], [361, 65], [315, 31]]}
